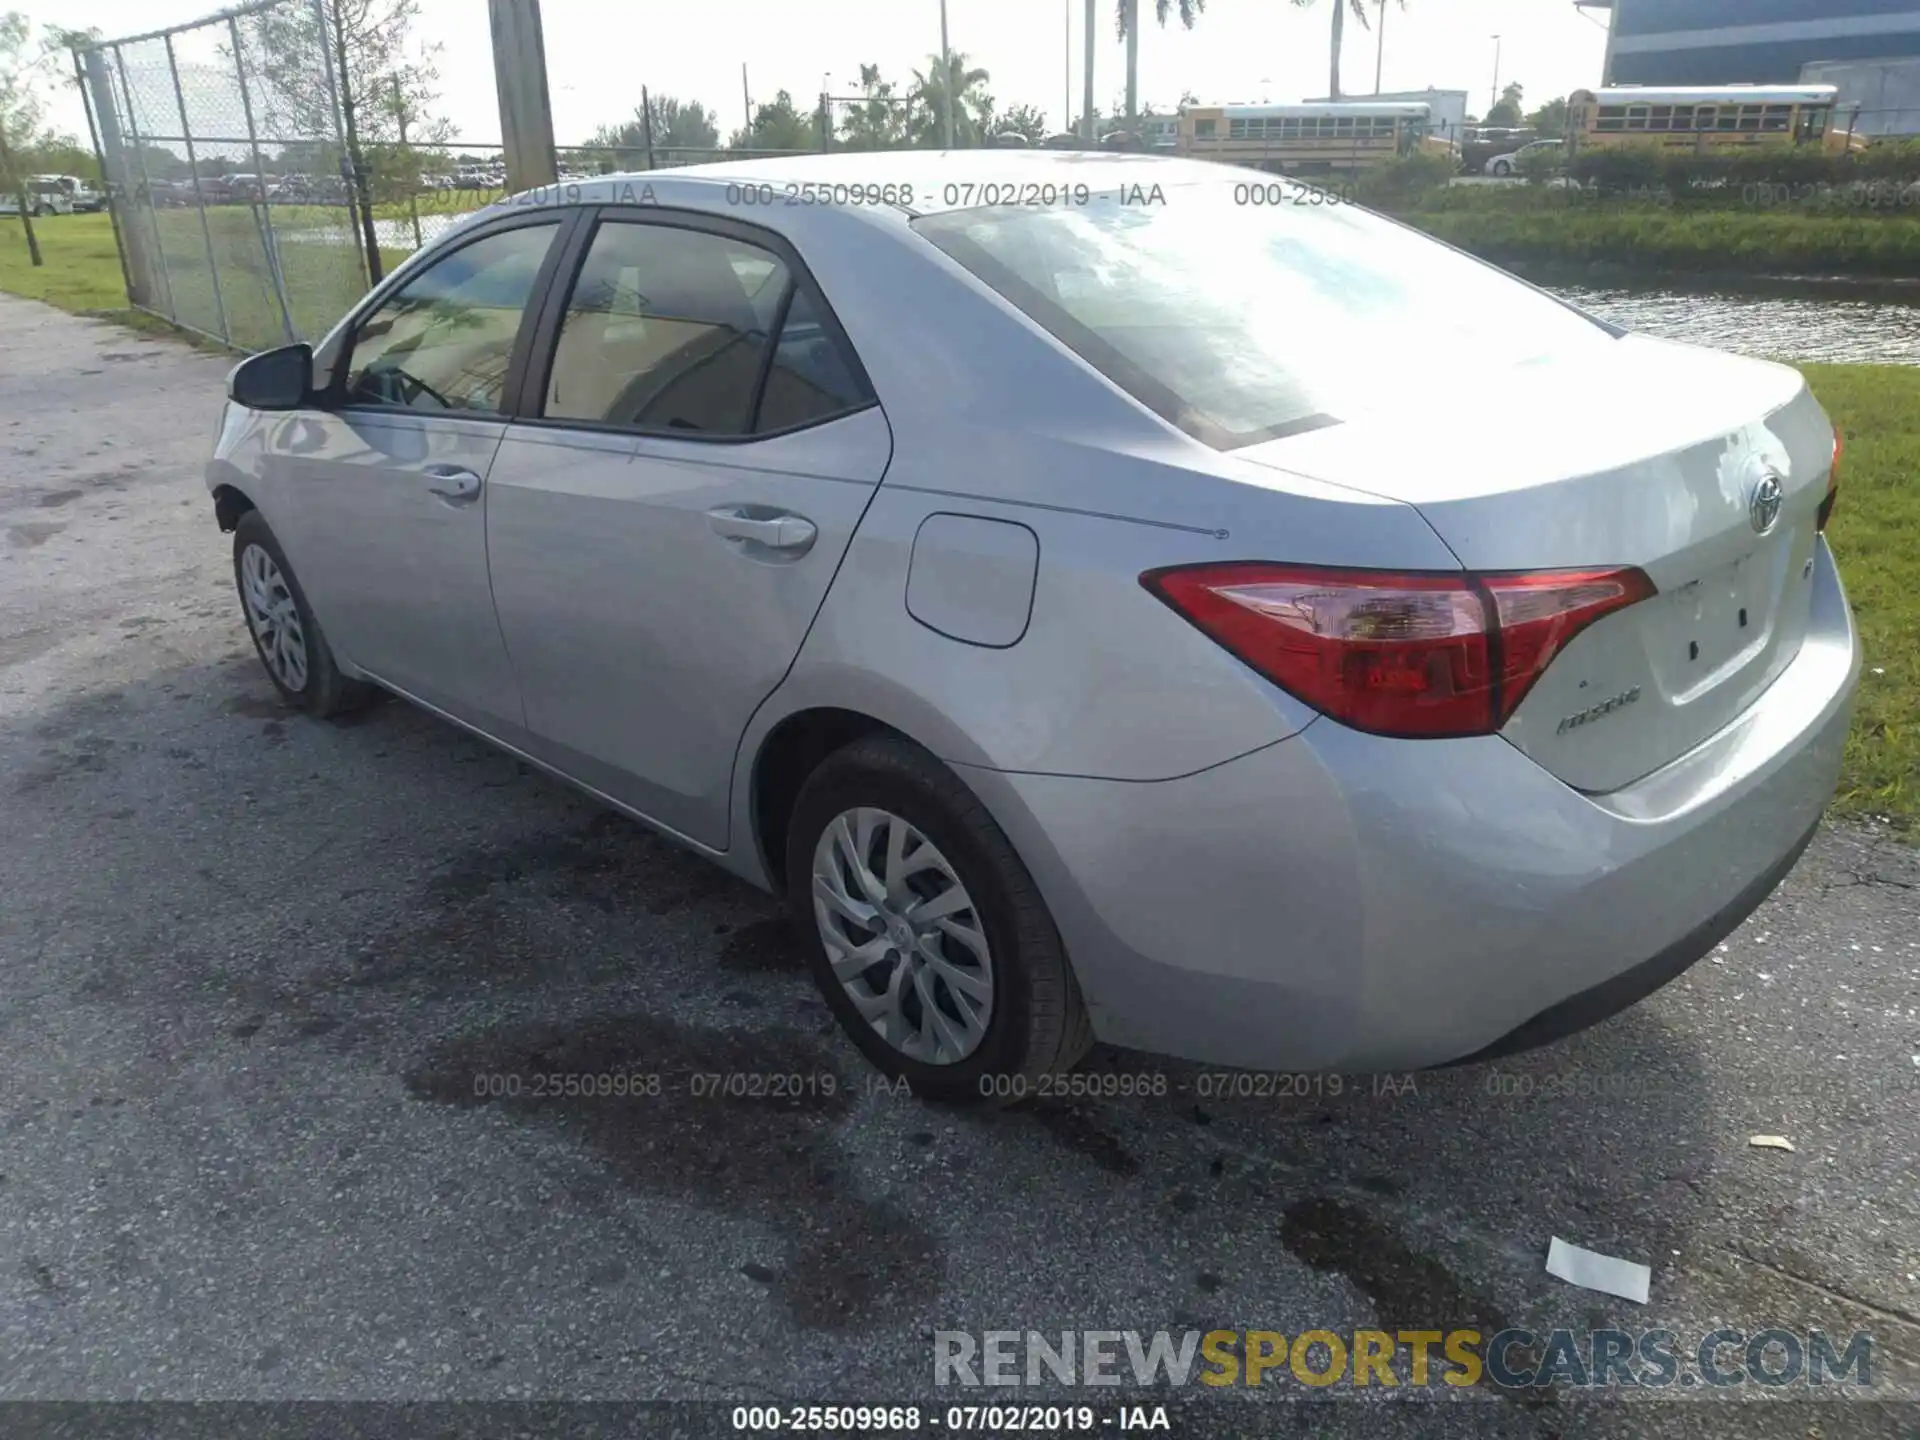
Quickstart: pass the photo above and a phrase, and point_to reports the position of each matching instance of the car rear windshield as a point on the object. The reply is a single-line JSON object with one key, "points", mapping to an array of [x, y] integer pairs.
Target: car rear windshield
{"points": [[1251, 309]]}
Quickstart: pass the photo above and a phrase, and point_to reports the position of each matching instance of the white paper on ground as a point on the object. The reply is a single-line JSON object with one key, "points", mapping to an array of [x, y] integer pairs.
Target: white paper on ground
{"points": [[1592, 1271]]}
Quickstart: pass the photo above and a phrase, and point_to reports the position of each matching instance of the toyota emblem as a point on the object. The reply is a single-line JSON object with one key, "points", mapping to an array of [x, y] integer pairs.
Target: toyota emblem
{"points": [[1764, 508]]}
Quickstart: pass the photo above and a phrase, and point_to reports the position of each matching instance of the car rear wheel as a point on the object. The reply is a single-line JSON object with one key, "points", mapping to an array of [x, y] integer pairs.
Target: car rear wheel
{"points": [[925, 932], [287, 638]]}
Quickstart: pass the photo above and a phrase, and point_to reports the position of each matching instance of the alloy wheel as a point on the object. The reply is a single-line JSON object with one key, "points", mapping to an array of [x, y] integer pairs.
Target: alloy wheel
{"points": [[275, 617], [902, 936]]}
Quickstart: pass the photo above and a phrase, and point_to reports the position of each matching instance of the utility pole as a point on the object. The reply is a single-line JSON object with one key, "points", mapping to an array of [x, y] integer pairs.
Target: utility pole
{"points": [[1066, 44], [1133, 61], [526, 109], [1086, 118], [1380, 48], [946, 72], [1496, 75], [746, 99]]}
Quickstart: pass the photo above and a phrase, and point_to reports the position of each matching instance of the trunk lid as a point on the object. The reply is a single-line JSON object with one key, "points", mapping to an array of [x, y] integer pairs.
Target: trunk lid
{"points": [[1649, 454]]}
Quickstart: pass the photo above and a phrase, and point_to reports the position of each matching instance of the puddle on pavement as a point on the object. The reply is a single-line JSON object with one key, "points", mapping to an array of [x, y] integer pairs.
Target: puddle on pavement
{"points": [[836, 1260], [1408, 1290]]}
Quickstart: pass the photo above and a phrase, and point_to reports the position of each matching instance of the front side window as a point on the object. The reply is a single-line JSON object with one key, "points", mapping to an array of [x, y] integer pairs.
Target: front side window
{"points": [[1242, 324], [670, 329], [443, 341]]}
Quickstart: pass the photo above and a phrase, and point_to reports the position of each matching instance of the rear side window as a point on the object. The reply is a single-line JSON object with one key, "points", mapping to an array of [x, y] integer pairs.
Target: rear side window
{"points": [[1244, 322], [689, 330], [809, 378]]}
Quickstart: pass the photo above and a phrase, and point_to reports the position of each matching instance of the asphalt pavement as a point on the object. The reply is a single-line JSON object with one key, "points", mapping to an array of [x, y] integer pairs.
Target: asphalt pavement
{"points": [[274, 994]]}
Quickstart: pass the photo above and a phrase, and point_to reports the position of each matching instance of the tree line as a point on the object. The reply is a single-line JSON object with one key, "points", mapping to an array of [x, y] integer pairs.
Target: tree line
{"points": [[885, 115]]}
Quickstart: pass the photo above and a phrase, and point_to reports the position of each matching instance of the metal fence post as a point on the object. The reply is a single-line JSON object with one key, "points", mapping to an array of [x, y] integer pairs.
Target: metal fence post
{"points": [[263, 213], [82, 79], [363, 238], [199, 199], [146, 183]]}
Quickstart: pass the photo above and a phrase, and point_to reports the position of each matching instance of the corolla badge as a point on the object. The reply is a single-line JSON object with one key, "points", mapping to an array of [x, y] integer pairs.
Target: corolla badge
{"points": [[1763, 505], [1596, 712]]}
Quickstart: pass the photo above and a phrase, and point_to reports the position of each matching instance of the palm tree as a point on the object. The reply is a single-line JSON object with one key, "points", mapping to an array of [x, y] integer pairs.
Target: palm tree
{"points": [[972, 108], [1129, 18], [1340, 9]]}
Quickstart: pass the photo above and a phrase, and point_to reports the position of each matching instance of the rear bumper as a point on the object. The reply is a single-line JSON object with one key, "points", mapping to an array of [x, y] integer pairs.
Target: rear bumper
{"points": [[1338, 900]]}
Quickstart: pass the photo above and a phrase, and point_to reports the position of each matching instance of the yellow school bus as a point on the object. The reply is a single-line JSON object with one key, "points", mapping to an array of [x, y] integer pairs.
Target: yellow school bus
{"points": [[1707, 118], [1327, 139]]}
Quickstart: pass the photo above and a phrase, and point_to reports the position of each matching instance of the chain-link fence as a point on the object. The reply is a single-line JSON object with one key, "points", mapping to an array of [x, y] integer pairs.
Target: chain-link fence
{"points": [[224, 147]]}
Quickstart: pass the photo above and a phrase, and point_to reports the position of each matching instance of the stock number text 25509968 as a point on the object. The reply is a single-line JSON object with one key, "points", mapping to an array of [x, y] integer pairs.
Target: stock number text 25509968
{"points": [[954, 195]]}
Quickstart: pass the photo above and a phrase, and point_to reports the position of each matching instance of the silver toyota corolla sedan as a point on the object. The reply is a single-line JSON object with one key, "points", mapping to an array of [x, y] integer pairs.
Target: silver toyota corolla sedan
{"points": [[1072, 582]]}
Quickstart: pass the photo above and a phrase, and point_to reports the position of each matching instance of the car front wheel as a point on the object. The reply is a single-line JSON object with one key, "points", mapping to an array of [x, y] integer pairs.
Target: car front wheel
{"points": [[287, 638], [924, 930]]}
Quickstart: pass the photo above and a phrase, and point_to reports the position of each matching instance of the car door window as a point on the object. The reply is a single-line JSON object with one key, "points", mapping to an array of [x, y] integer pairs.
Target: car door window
{"points": [[666, 329], [443, 341], [669, 328], [809, 378]]}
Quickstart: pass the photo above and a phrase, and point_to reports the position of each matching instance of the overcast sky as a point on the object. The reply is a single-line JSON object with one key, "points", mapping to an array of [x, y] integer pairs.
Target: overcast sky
{"points": [[600, 52]]}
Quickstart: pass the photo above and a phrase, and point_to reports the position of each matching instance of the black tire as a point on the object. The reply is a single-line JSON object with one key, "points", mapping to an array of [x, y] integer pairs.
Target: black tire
{"points": [[324, 692], [1038, 1024]]}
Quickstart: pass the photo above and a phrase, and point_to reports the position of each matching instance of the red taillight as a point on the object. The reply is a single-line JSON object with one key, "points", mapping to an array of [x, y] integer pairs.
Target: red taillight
{"points": [[1825, 512], [1415, 655]]}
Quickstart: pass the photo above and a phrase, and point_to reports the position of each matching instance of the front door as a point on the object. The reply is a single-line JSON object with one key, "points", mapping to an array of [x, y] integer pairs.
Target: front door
{"points": [[664, 529], [388, 484]]}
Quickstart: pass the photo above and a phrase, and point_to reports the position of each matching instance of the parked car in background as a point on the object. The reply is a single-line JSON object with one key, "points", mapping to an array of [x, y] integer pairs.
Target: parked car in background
{"points": [[1515, 162], [42, 197], [1080, 644], [85, 198]]}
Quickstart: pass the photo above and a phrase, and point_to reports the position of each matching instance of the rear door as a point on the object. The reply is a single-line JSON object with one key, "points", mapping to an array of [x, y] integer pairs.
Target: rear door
{"points": [[387, 485], [698, 443]]}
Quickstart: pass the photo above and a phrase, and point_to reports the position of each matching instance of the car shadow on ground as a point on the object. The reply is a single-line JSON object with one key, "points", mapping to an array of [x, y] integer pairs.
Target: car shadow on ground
{"points": [[471, 926]]}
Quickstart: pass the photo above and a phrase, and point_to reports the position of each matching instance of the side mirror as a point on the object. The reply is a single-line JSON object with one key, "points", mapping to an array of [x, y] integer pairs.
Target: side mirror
{"points": [[279, 379]]}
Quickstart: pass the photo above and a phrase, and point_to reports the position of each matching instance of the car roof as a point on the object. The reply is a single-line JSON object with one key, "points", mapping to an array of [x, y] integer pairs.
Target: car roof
{"points": [[939, 179]]}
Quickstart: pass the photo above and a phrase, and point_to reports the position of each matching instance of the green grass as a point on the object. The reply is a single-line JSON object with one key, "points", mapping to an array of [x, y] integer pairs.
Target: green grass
{"points": [[1522, 225], [319, 268], [1875, 532], [82, 270]]}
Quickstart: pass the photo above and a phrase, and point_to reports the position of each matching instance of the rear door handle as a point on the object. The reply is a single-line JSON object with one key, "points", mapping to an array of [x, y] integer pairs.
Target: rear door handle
{"points": [[452, 483], [790, 534]]}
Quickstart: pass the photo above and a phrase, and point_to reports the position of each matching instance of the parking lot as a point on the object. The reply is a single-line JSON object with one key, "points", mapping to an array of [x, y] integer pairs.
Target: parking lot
{"points": [[260, 978]]}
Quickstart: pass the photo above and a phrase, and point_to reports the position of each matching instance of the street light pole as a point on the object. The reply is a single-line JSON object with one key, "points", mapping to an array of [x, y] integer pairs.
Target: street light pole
{"points": [[1066, 42], [1496, 74], [946, 72]]}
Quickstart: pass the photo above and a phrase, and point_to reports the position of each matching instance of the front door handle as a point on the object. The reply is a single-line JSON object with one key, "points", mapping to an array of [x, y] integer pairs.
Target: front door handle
{"points": [[789, 534], [453, 483]]}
